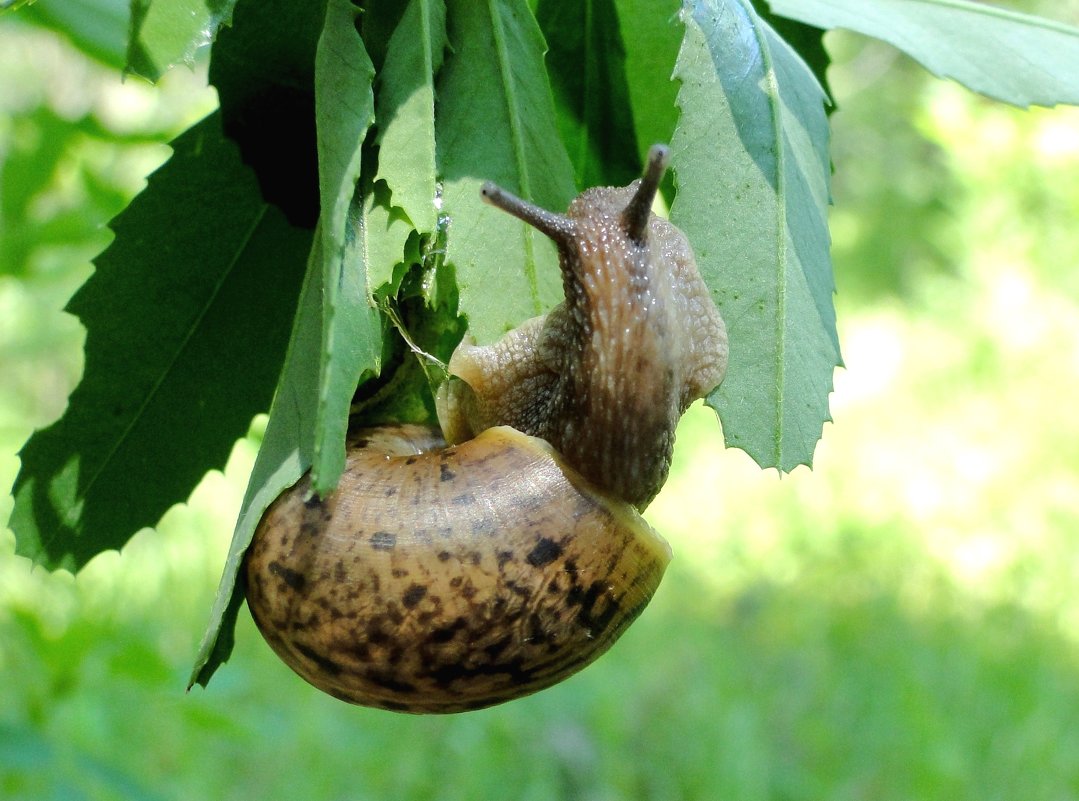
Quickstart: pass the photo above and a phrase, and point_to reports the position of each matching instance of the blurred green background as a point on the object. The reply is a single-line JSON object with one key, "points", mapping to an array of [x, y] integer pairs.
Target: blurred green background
{"points": [[901, 622]]}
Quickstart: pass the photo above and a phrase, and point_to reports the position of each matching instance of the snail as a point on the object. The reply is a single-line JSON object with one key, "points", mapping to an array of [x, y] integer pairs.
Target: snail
{"points": [[455, 570]]}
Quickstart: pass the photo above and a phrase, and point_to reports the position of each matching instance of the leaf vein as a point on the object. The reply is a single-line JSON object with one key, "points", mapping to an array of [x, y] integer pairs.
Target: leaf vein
{"points": [[72, 514], [524, 179]]}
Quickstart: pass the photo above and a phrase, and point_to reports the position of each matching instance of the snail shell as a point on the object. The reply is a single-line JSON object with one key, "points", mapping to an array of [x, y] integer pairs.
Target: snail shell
{"points": [[441, 578], [488, 589]]}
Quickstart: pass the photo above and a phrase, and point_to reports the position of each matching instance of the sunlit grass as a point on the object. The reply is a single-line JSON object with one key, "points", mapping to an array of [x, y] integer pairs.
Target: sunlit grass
{"points": [[964, 453]]}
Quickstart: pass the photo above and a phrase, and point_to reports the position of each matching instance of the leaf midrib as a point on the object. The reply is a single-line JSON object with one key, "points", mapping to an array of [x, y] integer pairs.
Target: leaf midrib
{"points": [[498, 33], [73, 512], [1002, 13], [589, 86], [782, 251]]}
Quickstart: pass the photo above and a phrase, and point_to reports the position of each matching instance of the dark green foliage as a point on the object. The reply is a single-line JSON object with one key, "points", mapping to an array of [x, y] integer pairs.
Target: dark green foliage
{"points": [[187, 317], [351, 334], [263, 67], [586, 61]]}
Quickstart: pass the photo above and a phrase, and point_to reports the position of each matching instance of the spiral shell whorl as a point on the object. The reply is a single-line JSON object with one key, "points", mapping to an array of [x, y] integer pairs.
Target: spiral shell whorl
{"points": [[496, 588]]}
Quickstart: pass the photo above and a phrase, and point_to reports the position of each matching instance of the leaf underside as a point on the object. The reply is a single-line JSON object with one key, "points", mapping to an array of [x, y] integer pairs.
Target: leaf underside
{"points": [[164, 33], [1017, 58], [284, 456], [497, 122], [752, 170], [587, 67], [351, 331], [406, 112], [179, 354]]}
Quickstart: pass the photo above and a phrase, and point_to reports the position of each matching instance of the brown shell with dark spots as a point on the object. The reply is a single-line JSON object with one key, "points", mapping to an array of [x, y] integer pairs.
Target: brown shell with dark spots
{"points": [[443, 580], [439, 579]]}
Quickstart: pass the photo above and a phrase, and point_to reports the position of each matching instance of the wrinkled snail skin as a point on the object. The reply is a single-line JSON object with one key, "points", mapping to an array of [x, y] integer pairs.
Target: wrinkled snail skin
{"points": [[449, 580], [606, 375], [441, 578]]}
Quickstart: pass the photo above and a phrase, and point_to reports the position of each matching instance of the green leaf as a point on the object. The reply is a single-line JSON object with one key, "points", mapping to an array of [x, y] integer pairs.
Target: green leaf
{"points": [[181, 353], [386, 232], [351, 331], [406, 111], [284, 456], [1018, 58], [806, 40], [403, 198], [651, 34], [751, 162], [496, 121], [587, 65], [99, 28], [336, 335], [377, 23], [165, 33]]}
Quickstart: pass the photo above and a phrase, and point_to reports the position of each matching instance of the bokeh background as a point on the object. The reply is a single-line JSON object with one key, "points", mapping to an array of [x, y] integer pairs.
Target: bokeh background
{"points": [[901, 622]]}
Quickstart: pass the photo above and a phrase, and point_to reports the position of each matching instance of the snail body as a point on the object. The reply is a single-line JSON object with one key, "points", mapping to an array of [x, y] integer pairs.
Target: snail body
{"points": [[443, 578]]}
